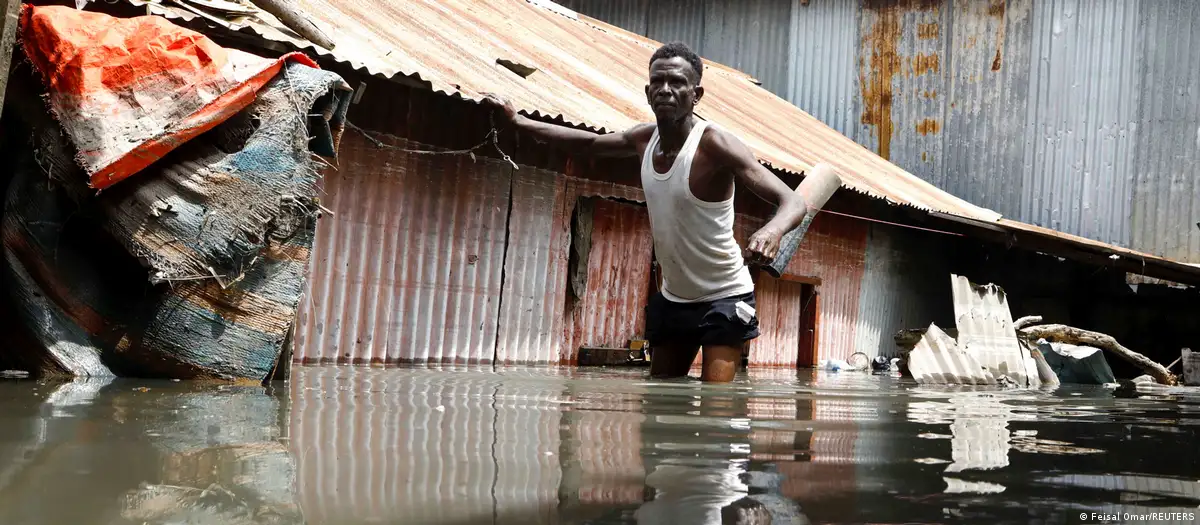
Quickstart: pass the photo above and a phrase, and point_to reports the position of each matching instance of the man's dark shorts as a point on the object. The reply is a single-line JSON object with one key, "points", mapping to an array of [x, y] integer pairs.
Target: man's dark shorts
{"points": [[699, 324]]}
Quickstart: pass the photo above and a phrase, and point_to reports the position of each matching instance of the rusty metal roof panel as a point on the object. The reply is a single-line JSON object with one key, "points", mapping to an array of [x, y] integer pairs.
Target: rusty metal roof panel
{"points": [[588, 73]]}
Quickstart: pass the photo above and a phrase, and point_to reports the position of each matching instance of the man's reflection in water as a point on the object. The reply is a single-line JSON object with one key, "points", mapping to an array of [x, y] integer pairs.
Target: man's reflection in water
{"points": [[715, 485]]}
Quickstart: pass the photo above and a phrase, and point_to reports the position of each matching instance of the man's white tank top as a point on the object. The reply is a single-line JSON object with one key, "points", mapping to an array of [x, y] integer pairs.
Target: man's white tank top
{"points": [[693, 239]]}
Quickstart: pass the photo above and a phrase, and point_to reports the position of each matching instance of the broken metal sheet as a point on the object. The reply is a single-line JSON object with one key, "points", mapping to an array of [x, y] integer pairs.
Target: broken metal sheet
{"points": [[985, 330], [1191, 367], [937, 359]]}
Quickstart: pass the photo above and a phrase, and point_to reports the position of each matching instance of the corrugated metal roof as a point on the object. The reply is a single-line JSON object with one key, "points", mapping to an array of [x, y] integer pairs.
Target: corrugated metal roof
{"points": [[590, 74]]}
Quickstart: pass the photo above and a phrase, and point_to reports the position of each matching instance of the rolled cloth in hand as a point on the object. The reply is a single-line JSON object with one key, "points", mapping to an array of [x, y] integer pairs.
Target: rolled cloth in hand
{"points": [[817, 187]]}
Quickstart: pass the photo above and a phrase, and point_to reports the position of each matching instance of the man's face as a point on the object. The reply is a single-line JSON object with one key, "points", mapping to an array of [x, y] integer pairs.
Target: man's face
{"points": [[672, 91]]}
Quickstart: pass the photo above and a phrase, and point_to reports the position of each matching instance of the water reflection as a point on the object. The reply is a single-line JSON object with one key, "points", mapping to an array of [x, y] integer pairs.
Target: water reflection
{"points": [[542, 446], [104, 451]]}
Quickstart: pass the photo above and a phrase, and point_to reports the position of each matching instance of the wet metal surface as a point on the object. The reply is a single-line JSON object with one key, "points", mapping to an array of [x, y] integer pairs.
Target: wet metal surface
{"points": [[344, 445]]}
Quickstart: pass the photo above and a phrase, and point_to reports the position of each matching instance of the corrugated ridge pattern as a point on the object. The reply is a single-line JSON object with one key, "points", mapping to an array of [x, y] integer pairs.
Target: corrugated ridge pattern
{"points": [[607, 445], [613, 309], [1166, 189], [751, 36], [986, 68], [900, 289], [833, 251], [380, 447], [823, 48], [631, 15], [1081, 159], [985, 329], [779, 306], [408, 267], [531, 318], [683, 20]]}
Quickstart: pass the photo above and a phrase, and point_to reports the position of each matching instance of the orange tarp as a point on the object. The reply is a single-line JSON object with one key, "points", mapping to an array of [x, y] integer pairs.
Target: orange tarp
{"points": [[129, 90]]}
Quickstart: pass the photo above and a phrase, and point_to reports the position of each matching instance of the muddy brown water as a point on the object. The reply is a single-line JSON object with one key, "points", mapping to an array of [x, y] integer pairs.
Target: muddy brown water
{"points": [[339, 445]]}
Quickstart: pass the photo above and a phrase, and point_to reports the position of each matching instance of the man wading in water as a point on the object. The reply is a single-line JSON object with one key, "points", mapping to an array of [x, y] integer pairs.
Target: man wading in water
{"points": [[688, 172]]}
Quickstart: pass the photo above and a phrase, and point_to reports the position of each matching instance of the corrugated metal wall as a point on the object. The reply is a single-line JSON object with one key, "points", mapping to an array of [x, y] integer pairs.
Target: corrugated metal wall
{"points": [[613, 308], [779, 305], [750, 35], [1075, 115], [833, 253], [824, 34], [535, 274], [1081, 122], [1166, 189], [903, 286], [408, 267]]}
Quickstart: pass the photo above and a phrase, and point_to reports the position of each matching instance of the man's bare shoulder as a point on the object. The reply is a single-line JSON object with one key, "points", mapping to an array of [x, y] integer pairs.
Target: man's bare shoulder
{"points": [[641, 132], [721, 143]]}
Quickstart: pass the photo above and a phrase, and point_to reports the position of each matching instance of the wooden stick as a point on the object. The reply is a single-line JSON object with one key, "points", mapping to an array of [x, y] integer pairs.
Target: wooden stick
{"points": [[291, 16], [1071, 335], [1026, 321], [816, 189]]}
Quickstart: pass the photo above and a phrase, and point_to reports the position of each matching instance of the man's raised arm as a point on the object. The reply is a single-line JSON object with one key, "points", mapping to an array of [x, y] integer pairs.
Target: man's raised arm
{"points": [[763, 245], [571, 140]]}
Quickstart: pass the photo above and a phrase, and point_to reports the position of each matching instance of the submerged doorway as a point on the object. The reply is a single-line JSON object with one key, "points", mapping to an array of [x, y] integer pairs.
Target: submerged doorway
{"points": [[787, 315]]}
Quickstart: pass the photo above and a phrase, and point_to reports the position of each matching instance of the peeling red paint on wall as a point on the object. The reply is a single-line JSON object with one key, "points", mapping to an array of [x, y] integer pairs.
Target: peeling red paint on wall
{"points": [[613, 308]]}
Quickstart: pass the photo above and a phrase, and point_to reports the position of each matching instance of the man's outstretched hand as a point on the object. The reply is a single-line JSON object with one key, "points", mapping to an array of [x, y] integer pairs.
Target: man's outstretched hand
{"points": [[763, 247], [501, 107]]}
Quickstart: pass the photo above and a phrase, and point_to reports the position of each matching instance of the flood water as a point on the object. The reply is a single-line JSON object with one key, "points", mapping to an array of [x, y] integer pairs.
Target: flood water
{"points": [[529, 446]]}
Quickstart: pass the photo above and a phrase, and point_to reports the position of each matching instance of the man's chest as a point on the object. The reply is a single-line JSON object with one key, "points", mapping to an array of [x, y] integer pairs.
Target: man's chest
{"points": [[706, 180]]}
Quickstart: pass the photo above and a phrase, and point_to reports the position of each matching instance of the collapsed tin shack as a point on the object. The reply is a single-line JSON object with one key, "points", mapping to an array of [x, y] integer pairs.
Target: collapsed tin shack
{"points": [[440, 250], [159, 211], [462, 257]]}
